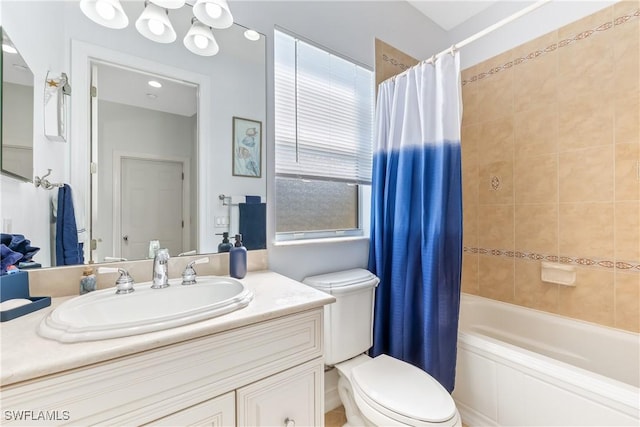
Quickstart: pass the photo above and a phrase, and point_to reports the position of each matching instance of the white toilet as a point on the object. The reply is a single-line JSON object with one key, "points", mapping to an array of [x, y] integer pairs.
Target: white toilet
{"points": [[382, 391]]}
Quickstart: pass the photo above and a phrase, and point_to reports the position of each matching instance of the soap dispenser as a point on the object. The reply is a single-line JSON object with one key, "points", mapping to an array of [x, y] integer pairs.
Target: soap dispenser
{"points": [[238, 259], [225, 246]]}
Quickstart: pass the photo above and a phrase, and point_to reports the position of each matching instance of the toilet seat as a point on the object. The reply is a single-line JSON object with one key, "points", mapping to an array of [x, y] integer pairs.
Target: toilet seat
{"points": [[401, 392]]}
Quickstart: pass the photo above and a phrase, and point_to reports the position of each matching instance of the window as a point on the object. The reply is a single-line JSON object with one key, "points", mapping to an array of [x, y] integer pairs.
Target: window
{"points": [[323, 131]]}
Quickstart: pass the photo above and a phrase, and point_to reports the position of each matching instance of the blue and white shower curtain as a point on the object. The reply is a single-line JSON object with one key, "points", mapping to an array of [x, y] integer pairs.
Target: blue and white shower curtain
{"points": [[416, 230]]}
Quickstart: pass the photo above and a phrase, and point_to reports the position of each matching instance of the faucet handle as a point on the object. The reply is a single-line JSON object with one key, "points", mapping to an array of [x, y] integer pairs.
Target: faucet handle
{"points": [[189, 274], [124, 284]]}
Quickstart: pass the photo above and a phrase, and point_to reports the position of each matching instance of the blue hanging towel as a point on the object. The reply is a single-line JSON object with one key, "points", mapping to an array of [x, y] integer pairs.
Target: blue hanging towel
{"points": [[68, 250], [253, 224]]}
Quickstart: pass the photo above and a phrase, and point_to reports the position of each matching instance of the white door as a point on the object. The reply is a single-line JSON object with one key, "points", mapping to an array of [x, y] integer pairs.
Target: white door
{"points": [[150, 206]]}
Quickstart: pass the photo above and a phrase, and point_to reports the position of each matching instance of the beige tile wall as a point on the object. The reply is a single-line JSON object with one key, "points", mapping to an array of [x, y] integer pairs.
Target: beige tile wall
{"points": [[551, 158]]}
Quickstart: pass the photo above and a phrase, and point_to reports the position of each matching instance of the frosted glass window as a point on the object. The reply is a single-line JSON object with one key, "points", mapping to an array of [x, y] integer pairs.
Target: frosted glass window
{"points": [[303, 205], [323, 136]]}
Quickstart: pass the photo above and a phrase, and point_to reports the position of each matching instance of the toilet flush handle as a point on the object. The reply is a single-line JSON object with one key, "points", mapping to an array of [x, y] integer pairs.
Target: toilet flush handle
{"points": [[288, 422]]}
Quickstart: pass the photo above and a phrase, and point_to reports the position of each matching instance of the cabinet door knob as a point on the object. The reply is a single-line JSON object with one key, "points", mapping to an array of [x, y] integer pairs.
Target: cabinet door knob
{"points": [[289, 422], [125, 238]]}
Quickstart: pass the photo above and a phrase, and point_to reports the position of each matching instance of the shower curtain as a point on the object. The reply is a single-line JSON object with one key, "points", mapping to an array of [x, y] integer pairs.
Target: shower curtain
{"points": [[416, 224]]}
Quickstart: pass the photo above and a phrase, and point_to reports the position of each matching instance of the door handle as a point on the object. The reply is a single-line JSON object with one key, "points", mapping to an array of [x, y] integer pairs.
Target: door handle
{"points": [[125, 238]]}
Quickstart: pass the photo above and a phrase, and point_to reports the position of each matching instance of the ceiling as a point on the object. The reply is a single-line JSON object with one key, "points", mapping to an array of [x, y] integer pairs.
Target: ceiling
{"points": [[448, 14]]}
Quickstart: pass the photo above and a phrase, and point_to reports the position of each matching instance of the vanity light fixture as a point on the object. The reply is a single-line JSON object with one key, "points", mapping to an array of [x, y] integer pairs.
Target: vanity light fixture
{"points": [[154, 24], [214, 13], [108, 13], [154, 83], [252, 35], [200, 40]]}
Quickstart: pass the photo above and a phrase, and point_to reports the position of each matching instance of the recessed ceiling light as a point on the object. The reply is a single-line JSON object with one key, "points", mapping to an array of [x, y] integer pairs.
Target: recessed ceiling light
{"points": [[252, 35], [154, 83], [152, 96], [8, 48]]}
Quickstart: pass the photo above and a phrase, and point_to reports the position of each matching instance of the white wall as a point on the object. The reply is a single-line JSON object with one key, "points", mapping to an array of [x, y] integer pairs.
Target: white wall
{"points": [[26, 207]]}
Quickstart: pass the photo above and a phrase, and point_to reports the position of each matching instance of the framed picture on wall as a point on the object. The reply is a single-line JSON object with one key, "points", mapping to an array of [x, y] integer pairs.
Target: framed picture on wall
{"points": [[247, 147]]}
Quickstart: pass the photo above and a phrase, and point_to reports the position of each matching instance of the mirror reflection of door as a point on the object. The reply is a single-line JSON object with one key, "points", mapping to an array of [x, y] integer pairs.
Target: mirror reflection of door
{"points": [[144, 141], [149, 191]]}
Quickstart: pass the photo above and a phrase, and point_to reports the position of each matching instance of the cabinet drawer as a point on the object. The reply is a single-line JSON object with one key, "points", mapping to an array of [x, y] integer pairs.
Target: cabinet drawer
{"points": [[217, 412], [291, 398]]}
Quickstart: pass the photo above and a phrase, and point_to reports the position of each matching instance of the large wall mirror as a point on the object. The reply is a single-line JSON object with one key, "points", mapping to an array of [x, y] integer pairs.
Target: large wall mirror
{"points": [[145, 146], [146, 162], [17, 113]]}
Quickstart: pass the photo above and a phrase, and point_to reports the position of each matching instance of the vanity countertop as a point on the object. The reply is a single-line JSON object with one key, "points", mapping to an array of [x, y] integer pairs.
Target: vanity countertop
{"points": [[25, 355]]}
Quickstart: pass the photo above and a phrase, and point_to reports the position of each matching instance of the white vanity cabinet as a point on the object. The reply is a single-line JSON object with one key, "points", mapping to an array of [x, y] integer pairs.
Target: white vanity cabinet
{"points": [[291, 398], [266, 373], [216, 412]]}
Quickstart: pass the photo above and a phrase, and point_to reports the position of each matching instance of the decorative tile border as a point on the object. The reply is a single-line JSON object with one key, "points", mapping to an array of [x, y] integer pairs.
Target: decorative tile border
{"points": [[395, 62], [566, 42], [629, 266]]}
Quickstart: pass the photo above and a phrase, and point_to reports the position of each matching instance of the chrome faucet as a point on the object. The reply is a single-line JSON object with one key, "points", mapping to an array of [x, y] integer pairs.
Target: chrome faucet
{"points": [[161, 269]]}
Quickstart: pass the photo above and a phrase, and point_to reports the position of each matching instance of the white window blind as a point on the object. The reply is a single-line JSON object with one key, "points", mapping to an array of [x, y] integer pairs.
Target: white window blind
{"points": [[323, 114]]}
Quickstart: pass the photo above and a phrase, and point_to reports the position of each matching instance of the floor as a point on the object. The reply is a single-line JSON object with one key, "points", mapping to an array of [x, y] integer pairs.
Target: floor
{"points": [[336, 418]]}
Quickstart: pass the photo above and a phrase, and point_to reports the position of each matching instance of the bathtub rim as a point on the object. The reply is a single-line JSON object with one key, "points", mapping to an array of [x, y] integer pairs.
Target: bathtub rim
{"points": [[596, 387], [583, 323]]}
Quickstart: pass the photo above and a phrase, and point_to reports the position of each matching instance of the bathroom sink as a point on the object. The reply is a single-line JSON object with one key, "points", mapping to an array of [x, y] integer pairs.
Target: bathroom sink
{"points": [[104, 314]]}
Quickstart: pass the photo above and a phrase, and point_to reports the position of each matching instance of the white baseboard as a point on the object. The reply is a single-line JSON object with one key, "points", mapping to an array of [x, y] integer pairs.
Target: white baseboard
{"points": [[471, 417]]}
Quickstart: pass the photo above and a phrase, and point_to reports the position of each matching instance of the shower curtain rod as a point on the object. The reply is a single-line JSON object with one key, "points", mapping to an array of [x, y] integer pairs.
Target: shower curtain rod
{"points": [[482, 33]]}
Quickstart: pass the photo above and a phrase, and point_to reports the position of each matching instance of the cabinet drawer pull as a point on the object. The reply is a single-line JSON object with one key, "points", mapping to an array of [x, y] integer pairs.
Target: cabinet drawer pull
{"points": [[289, 422]]}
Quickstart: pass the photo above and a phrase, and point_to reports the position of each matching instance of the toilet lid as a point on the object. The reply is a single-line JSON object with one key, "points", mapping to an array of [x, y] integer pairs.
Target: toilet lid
{"points": [[342, 280], [403, 389]]}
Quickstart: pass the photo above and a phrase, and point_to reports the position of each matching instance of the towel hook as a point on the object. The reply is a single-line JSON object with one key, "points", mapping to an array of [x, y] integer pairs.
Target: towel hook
{"points": [[44, 182]]}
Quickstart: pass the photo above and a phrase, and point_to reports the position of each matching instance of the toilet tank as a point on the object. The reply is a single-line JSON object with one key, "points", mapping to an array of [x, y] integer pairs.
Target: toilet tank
{"points": [[348, 322]]}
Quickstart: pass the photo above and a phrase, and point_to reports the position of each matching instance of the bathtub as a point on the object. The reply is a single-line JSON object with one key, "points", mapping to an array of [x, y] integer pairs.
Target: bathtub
{"points": [[518, 366]]}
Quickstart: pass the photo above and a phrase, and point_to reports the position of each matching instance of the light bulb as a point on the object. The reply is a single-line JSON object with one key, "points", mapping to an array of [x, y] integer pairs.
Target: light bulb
{"points": [[200, 41], [213, 10], [156, 27], [105, 10]]}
